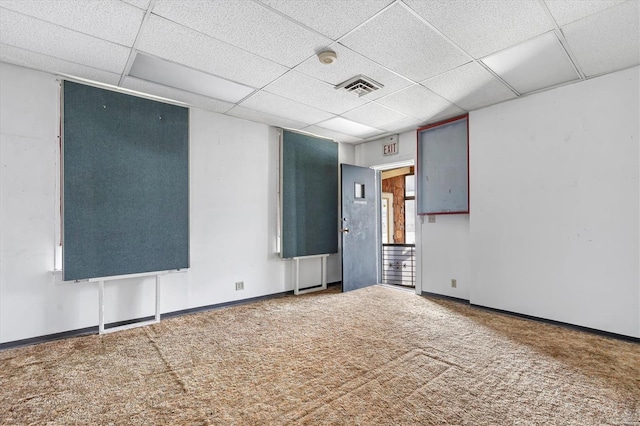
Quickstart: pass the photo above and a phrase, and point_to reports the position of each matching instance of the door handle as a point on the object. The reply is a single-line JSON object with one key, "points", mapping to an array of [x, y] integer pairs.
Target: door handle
{"points": [[344, 230]]}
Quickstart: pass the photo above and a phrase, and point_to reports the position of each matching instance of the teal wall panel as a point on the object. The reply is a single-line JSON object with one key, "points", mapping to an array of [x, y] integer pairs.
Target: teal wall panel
{"points": [[125, 184], [309, 195]]}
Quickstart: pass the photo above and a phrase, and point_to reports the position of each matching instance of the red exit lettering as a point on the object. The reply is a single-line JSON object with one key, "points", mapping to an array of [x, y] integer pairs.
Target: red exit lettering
{"points": [[389, 149]]}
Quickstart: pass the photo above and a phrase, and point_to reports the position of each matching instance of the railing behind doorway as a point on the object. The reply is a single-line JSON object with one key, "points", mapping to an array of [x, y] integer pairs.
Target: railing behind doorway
{"points": [[399, 264]]}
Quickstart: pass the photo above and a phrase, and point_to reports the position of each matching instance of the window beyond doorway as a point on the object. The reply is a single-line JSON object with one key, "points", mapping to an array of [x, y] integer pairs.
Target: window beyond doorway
{"points": [[398, 248], [409, 209], [401, 184]]}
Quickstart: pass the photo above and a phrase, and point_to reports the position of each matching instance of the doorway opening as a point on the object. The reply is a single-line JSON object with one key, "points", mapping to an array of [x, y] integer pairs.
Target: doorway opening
{"points": [[398, 226]]}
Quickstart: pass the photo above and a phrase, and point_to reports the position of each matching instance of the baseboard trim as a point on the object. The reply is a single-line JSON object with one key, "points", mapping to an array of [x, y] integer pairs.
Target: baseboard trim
{"points": [[445, 297], [94, 330], [536, 319]]}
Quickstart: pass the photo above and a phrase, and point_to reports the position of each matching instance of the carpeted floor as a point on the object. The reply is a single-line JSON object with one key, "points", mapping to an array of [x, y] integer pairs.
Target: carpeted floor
{"points": [[376, 356]]}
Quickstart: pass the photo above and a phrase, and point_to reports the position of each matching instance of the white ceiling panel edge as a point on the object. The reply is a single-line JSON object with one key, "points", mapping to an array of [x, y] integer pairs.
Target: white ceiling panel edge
{"points": [[134, 52], [563, 40]]}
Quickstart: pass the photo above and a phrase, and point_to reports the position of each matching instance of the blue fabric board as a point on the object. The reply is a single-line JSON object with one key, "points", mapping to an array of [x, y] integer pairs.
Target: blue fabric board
{"points": [[126, 184], [309, 195]]}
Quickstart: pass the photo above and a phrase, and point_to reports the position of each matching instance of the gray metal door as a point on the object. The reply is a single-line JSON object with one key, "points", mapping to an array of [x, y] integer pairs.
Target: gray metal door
{"points": [[359, 227]]}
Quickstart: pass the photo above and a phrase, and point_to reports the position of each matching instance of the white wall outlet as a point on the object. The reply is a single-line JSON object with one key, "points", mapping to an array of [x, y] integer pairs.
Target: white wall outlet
{"points": [[454, 283], [239, 285]]}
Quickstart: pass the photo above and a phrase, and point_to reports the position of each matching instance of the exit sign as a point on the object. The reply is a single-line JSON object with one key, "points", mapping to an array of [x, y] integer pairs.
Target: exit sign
{"points": [[390, 148]]}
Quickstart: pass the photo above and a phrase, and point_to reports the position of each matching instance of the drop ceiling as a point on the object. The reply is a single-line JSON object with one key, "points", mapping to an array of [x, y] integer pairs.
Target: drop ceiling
{"points": [[257, 59]]}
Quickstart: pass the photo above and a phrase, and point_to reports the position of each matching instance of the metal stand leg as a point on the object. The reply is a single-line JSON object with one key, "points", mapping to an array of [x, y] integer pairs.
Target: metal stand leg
{"points": [[101, 306]]}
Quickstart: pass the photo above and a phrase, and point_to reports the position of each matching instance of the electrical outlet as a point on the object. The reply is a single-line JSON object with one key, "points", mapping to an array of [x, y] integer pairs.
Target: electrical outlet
{"points": [[239, 285], [432, 218], [454, 283]]}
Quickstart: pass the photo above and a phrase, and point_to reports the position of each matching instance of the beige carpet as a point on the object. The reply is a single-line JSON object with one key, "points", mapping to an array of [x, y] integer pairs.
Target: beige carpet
{"points": [[376, 356]]}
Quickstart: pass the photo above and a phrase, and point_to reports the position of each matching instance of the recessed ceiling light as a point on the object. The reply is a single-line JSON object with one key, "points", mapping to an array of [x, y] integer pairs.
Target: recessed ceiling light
{"points": [[535, 64], [348, 127], [178, 76]]}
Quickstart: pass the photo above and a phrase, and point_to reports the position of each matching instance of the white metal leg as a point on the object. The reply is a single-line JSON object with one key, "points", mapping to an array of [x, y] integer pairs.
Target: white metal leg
{"points": [[101, 307], [157, 298], [102, 330], [296, 274]]}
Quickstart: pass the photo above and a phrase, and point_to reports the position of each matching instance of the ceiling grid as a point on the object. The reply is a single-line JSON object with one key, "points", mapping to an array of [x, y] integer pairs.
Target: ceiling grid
{"points": [[134, 52], [433, 60]]}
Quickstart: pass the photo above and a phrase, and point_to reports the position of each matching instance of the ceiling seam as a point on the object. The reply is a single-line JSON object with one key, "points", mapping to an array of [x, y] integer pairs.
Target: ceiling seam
{"points": [[366, 21], [424, 87], [133, 52], [291, 100], [290, 18], [563, 41], [486, 67], [436, 30], [473, 58], [301, 25], [306, 27], [262, 88], [223, 41], [56, 58], [404, 77], [378, 104], [302, 103], [65, 28]]}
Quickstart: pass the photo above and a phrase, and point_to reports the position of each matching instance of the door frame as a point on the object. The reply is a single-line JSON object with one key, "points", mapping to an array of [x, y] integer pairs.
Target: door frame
{"points": [[390, 218], [419, 221]]}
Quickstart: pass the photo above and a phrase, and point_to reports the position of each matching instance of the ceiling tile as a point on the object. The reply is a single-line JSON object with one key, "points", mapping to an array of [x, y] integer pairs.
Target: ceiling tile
{"points": [[26, 58], [332, 18], [533, 65], [191, 80], [336, 136], [142, 4], [348, 127], [248, 25], [286, 108], [484, 27], [110, 20], [309, 91], [376, 115], [42, 37], [403, 43], [607, 41], [421, 103], [174, 42], [189, 98], [470, 87], [348, 63], [404, 125], [566, 11], [264, 118]]}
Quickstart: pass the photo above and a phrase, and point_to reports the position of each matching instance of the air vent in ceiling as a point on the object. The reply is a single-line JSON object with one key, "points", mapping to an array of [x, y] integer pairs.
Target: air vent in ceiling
{"points": [[360, 85]]}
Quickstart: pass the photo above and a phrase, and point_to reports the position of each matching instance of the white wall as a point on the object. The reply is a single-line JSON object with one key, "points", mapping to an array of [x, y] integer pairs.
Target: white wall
{"points": [[553, 230], [445, 255], [554, 225], [442, 248], [554, 204], [233, 204], [370, 154]]}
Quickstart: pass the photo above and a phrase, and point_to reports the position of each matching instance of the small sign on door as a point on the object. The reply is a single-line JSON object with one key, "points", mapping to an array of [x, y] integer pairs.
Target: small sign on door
{"points": [[390, 148]]}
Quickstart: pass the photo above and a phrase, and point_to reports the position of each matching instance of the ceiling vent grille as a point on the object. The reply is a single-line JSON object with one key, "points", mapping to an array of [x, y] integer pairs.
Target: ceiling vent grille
{"points": [[360, 85]]}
